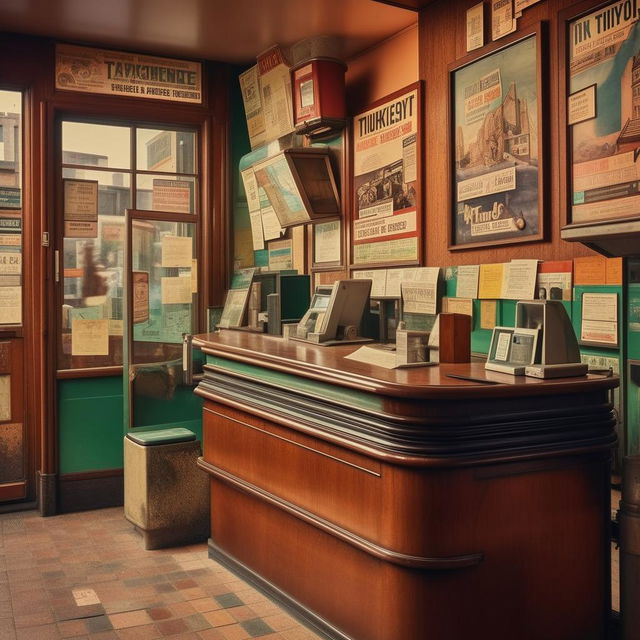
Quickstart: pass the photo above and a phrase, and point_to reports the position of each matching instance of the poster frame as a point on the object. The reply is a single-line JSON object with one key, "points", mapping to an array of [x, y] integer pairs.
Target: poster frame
{"points": [[593, 231], [540, 198], [419, 254]]}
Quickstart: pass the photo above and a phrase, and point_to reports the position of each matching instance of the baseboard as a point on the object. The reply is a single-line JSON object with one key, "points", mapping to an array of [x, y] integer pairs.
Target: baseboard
{"points": [[90, 490], [317, 624]]}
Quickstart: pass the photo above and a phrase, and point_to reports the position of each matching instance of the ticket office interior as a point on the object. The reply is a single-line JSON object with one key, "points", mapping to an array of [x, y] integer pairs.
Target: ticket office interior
{"points": [[64, 429]]}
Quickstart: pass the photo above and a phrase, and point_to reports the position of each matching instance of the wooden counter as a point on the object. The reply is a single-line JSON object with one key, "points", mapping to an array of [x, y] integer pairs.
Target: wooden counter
{"points": [[404, 504]]}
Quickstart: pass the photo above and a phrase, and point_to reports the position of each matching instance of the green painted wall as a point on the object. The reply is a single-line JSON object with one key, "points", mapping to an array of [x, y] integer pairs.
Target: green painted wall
{"points": [[90, 424]]}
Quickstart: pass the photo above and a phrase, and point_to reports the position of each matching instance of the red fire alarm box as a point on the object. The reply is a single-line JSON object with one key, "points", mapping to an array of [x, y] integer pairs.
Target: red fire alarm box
{"points": [[318, 96]]}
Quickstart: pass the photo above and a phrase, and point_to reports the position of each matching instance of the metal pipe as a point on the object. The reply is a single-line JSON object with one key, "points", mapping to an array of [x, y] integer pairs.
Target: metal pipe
{"points": [[629, 519]]}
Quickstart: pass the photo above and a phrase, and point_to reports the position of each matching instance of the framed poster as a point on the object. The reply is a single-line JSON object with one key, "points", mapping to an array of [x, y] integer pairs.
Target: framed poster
{"points": [[387, 157], [602, 113], [496, 106]]}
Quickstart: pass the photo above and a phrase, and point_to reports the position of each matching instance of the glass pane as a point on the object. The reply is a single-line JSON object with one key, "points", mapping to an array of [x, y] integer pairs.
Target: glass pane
{"points": [[11, 206], [114, 189], [10, 149], [166, 150], [92, 270], [166, 193], [164, 306], [96, 145]]}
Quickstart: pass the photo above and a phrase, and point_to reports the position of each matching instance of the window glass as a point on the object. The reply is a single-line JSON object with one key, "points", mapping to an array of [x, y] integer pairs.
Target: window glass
{"points": [[10, 149], [92, 261], [166, 150], [10, 207], [97, 145]]}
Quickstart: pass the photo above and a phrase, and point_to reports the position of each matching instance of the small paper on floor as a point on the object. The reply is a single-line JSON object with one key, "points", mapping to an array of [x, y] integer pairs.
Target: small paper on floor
{"points": [[84, 597]]}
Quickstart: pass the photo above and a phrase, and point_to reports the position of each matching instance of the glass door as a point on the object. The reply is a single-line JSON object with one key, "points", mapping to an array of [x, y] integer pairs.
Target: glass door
{"points": [[161, 291]]}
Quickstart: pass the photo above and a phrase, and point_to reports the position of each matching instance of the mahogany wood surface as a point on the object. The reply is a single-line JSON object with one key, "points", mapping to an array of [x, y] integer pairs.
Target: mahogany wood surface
{"points": [[328, 364], [452, 509]]}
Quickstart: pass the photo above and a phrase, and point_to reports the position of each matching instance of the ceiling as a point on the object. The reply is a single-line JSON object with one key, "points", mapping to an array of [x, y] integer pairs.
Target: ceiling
{"points": [[232, 31]]}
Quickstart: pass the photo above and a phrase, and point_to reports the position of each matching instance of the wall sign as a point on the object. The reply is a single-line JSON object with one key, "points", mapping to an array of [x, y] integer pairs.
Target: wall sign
{"points": [[603, 113], [387, 185], [119, 73], [496, 142]]}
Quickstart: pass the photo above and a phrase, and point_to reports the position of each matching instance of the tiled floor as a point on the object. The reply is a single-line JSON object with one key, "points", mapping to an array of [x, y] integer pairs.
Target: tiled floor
{"points": [[86, 575]]}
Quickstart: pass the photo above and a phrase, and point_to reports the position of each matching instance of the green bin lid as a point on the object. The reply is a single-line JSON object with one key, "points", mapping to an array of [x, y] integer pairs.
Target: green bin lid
{"points": [[162, 436]]}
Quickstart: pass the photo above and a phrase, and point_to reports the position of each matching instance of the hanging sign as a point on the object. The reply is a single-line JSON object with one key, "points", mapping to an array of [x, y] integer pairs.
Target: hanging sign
{"points": [[127, 74]]}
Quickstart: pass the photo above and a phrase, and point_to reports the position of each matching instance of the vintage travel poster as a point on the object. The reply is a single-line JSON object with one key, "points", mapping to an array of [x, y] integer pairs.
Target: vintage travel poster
{"points": [[385, 228], [604, 79], [496, 179]]}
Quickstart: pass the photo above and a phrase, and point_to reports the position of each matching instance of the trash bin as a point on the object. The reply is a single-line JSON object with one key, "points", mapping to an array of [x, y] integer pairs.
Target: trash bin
{"points": [[166, 496]]}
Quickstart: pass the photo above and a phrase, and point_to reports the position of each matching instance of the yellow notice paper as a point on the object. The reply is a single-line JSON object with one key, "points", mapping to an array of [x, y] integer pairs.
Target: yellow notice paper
{"points": [[490, 283], [90, 337], [176, 251], [175, 290], [5, 398], [10, 305], [488, 309], [194, 276]]}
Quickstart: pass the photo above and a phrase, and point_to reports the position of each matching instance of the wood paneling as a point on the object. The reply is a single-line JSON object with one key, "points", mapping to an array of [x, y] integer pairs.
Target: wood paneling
{"points": [[310, 490], [442, 41]]}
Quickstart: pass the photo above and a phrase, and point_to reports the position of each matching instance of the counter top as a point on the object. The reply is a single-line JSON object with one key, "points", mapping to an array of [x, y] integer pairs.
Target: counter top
{"points": [[329, 365]]}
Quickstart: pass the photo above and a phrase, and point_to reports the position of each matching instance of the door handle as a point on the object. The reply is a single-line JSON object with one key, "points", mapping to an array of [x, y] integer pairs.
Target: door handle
{"points": [[187, 358]]}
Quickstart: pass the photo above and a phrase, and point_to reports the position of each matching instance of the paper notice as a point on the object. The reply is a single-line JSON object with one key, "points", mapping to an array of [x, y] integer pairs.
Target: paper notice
{"points": [[281, 255], [10, 263], [378, 279], [502, 20], [419, 297], [251, 189], [175, 290], [409, 158], [490, 281], [600, 306], [234, 306], [377, 355], [270, 224], [395, 277], [475, 27], [467, 281], [502, 346], [90, 337], [458, 305], [80, 229], [172, 195], [81, 200], [140, 281], [488, 312], [10, 305], [327, 240], [176, 251], [257, 235], [581, 105], [590, 270], [194, 276], [275, 85], [251, 96], [520, 280], [5, 398], [598, 331]]}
